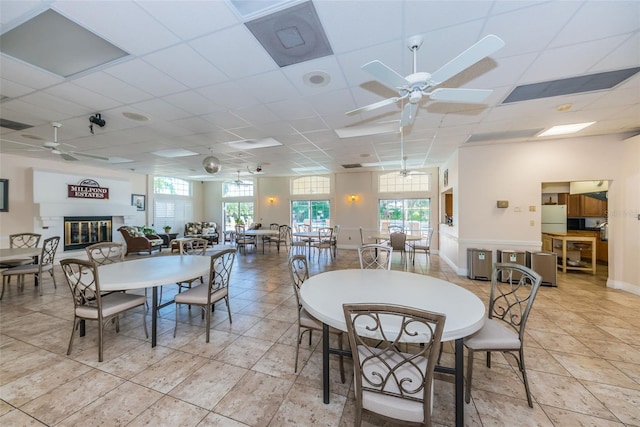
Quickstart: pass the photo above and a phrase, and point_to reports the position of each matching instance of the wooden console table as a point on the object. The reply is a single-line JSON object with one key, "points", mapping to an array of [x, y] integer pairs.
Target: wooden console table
{"points": [[574, 243]]}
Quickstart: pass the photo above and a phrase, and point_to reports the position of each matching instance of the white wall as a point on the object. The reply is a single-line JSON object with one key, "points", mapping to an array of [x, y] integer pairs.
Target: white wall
{"points": [[515, 172], [23, 210]]}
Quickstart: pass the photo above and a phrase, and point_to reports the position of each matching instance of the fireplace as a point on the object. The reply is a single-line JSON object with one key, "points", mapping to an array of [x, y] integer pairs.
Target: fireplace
{"points": [[82, 231]]}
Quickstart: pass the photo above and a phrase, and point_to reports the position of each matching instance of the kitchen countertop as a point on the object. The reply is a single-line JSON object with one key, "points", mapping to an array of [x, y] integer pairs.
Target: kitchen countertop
{"points": [[573, 237]]}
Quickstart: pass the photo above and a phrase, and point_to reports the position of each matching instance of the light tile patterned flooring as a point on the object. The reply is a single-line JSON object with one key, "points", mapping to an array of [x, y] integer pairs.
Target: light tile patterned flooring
{"points": [[582, 352]]}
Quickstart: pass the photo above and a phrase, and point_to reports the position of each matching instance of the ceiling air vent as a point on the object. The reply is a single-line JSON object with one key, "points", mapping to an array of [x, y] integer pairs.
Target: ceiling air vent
{"points": [[352, 166], [568, 86], [9, 124]]}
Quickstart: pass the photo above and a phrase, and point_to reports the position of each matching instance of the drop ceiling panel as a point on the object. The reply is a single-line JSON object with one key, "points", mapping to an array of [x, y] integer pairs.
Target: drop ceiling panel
{"points": [[347, 32], [26, 75], [186, 66], [230, 94], [112, 87], [292, 109], [190, 19], [251, 59], [612, 18], [193, 103], [145, 77], [329, 65], [552, 64], [624, 56], [120, 22], [269, 87], [82, 96], [12, 89], [160, 109]]}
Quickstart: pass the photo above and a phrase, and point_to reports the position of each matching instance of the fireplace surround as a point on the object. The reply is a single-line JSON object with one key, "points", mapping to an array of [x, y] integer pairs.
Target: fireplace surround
{"points": [[82, 231]]}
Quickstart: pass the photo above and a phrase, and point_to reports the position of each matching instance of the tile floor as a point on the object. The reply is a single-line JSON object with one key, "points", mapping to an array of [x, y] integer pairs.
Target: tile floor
{"points": [[582, 347]]}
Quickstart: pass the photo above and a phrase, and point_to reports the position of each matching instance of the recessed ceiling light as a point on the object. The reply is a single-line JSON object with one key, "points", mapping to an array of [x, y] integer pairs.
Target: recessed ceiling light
{"points": [[310, 169], [120, 160], [316, 78], [174, 152], [565, 129], [250, 144], [375, 129], [135, 116]]}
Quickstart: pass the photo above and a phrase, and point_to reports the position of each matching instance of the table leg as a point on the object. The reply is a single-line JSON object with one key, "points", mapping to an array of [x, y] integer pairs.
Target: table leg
{"points": [[325, 362], [154, 316], [459, 382]]}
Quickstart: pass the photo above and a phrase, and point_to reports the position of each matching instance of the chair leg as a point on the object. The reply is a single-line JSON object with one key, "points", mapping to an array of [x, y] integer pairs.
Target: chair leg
{"points": [[341, 359], [144, 323], [226, 299], [73, 331], [488, 359], [524, 377], [295, 368], [100, 339], [467, 395], [175, 328], [208, 324]]}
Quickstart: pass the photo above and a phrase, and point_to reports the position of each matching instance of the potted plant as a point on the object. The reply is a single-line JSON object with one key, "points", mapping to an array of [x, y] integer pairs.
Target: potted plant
{"points": [[167, 229]]}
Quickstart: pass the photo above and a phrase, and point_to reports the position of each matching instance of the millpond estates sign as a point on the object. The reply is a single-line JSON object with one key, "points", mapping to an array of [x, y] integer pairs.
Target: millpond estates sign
{"points": [[87, 189]]}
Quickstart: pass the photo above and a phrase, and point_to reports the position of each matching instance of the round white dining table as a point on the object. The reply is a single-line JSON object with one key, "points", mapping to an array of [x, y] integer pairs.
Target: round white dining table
{"points": [[261, 233], [324, 294], [152, 272], [7, 254]]}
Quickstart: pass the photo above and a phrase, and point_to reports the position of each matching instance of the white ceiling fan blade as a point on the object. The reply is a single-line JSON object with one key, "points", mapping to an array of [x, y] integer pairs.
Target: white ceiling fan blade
{"points": [[475, 53], [21, 143], [374, 105], [66, 156], [91, 156], [385, 75], [460, 95], [408, 114]]}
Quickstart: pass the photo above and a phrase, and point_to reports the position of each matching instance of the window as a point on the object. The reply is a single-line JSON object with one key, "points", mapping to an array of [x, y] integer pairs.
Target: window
{"points": [[171, 186], [315, 213], [410, 214], [396, 183], [233, 189], [175, 213], [310, 185], [237, 213]]}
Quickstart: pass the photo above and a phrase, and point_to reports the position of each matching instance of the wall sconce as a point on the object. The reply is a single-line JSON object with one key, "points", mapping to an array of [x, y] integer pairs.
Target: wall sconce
{"points": [[353, 198], [271, 200]]}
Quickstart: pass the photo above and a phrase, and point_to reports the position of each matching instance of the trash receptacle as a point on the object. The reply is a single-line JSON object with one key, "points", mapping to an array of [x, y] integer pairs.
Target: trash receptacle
{"points": [[479, 264], [514, 257], [545, 264]]}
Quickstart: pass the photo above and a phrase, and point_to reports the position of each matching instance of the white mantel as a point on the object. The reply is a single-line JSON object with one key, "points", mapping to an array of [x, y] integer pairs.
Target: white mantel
{"points": [[52, 214]]}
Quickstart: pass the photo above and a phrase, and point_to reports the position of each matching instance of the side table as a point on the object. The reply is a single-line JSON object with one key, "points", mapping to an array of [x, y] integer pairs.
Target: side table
{"points": [[167, 238]]}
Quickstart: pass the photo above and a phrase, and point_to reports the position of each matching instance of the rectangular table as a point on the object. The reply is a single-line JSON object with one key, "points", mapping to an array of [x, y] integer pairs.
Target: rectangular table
{"points": [[322, 296]]}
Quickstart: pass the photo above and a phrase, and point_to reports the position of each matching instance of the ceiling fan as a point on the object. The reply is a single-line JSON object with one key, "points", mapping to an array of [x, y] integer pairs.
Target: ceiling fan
{"points": [[55, 147], [418, 84], [238, 181]]}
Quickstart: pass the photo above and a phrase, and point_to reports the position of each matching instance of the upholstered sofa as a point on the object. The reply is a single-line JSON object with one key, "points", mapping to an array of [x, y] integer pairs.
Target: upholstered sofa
{"points": [[137, 241], [205, 229]]}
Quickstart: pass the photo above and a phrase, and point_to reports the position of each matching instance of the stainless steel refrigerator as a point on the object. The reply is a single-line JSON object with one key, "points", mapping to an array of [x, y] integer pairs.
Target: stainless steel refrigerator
{"points": [[554, 219]]}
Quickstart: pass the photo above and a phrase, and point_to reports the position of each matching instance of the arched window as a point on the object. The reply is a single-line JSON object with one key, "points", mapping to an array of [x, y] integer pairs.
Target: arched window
{"points": [[396, 183], [171, 186], [308, 185]]}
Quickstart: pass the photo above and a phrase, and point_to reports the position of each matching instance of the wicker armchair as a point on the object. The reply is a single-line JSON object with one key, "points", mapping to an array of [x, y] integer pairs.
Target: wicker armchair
{"points": [[137, 241]]}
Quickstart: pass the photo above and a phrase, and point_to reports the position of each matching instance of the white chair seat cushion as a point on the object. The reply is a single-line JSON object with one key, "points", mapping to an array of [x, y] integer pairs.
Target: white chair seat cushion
{"points": [[156, 242], [494, 335], [15, 262], [27, 269], [390, 406], [308, 321], [198, 295], [114, 303]]}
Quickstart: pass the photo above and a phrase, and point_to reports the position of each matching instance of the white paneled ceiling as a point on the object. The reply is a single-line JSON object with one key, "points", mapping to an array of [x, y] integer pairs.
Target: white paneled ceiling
{"points": [[202, 80]]}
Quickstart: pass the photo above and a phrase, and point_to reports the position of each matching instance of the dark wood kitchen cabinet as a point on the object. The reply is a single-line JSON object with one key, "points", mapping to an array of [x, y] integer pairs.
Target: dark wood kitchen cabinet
{"points": [[579, 205]]}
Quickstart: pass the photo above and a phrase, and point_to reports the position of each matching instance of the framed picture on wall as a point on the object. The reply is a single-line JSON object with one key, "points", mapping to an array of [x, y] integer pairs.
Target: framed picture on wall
{"points": [[139, 201], [4, 195]]}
